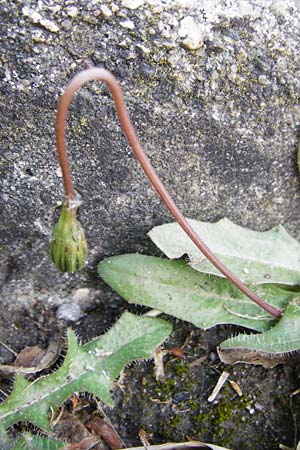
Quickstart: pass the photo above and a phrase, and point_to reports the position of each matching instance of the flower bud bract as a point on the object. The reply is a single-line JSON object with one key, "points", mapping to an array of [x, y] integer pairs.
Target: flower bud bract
{"points": [[68, 247]]}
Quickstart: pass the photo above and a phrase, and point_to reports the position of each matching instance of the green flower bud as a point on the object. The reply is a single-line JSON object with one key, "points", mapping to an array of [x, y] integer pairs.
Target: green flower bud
{"points": [[68, 248]]}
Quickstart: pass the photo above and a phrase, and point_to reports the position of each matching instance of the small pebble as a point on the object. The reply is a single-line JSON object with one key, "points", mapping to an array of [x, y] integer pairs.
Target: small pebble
{"points": [[106, 12], [191, 31], [263, 80], [58, 172], [67, 25], [72, 11], [69, 311], [114, 8], [250, 409], [241, 55], [81, 294], [127, 24], [45, 23], [232, 75]]}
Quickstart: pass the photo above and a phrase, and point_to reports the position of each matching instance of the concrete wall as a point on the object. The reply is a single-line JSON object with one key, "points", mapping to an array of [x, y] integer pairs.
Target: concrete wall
{"points": [[213, 91]]}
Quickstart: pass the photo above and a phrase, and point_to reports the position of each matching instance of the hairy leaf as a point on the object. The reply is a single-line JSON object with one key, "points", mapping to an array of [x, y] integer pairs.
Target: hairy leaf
{"points": [[176, 289], [255, 257], [269, 348], [29, 442], [88, 368]]}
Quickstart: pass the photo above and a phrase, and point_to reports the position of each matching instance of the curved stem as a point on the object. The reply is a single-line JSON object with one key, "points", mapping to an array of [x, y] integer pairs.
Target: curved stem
{"points": [[74, 85]]}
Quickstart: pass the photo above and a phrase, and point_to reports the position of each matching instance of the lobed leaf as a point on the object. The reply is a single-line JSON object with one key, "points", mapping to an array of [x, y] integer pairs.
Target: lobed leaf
{"points": [[176, 289], [269, 348], [255, 257], [88, 368]]}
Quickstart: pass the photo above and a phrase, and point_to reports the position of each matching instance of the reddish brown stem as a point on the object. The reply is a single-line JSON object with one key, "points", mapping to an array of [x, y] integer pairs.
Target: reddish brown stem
{"points": [[74, 85]]}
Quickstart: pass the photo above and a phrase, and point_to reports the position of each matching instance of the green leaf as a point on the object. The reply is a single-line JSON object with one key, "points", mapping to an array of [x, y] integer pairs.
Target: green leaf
{"points": [[88, 368], [175, 288], [255, 257], [29, 442], [270, 348]]}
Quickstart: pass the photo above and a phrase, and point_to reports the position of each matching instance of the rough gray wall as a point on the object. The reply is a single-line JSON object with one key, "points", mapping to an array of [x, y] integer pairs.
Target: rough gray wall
{"points": [[213, 91]]}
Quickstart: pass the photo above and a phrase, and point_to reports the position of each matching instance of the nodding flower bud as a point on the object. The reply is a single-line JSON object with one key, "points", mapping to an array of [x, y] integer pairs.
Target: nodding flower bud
{"points": [[68, 247]]}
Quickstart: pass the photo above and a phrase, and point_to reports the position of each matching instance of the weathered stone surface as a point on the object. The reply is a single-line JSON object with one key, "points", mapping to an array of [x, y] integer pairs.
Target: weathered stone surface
{"points": [[220, 124], [217, 108]]}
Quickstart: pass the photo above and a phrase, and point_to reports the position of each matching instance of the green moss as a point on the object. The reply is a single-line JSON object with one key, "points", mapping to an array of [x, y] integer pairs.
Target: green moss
{"points": [[165, 390], [176, 420], [228, 410], [181, 368]]}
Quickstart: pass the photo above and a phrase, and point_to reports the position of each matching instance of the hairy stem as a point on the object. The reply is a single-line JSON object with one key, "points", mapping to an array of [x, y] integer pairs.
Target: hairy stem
{"points": [[92, 74]]}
